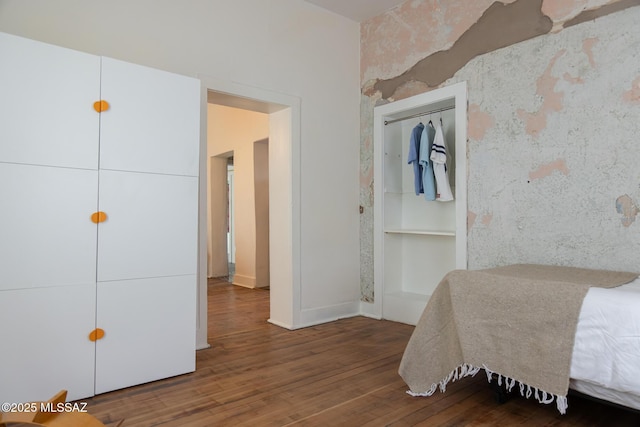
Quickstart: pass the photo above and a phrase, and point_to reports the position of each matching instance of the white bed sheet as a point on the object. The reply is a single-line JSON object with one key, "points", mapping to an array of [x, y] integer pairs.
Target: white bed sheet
{"points": [[606, 352], [621, 398]]}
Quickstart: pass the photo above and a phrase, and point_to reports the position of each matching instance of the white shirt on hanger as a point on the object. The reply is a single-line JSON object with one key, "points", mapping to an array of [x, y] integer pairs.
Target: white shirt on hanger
{"points": [[440, 169]]}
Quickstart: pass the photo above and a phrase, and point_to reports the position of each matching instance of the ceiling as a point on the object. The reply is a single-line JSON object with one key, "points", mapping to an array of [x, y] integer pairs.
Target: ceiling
{"points": [[357, 10]]}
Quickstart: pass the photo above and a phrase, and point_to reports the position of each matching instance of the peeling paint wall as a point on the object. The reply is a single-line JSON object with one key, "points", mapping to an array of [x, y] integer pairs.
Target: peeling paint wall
{"points": [[554, 108]]}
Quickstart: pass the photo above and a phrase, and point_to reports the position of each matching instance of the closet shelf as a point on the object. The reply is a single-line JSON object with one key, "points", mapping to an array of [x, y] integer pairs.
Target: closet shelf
{"points": [[412, 193], [420, 232]]}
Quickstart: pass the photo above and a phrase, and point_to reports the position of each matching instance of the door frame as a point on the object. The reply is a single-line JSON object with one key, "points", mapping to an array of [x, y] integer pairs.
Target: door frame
{"points": [[284, 195]]}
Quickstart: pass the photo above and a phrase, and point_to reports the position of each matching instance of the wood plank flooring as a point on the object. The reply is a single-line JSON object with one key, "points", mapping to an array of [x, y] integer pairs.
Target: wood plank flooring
{"points": [[339, 374]]}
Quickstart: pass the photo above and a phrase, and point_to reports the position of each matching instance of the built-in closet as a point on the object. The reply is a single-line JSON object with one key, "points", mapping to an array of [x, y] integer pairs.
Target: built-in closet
{"points": [[417, 241], [99, 166]]}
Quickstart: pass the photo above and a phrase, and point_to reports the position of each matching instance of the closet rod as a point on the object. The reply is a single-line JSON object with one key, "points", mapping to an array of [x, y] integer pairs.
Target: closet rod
{"points": [[439, 110]]}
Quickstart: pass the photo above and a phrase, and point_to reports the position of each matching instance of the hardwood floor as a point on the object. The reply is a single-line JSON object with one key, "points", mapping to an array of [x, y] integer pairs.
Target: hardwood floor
{"points": [[339, 374]]}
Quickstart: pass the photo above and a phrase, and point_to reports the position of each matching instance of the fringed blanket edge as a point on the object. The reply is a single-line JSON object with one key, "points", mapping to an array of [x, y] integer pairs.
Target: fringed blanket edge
{"points": [[467, 370]]}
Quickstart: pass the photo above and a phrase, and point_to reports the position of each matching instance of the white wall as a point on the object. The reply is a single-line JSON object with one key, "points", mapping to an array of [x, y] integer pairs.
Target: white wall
{"points": [[218, 217], [284, 46], [261, 199], [232, 129]]}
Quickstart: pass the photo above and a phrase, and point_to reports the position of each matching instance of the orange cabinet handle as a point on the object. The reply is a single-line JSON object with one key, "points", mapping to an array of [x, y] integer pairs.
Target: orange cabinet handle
{"points": [[99, 216], [101, 106], [96, 334]]}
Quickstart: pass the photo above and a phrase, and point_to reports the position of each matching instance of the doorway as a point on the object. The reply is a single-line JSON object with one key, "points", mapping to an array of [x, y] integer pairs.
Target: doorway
{"points": [[284, 112], [261, 200], [238, 195], [231, 238]]}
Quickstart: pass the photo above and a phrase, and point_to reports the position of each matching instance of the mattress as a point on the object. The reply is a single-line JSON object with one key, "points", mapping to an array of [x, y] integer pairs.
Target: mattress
{"points": [[606, 353]]}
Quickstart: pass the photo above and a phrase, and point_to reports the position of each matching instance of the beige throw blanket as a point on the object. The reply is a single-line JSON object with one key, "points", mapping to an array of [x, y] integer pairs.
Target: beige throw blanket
{"points": [[517, 321]]}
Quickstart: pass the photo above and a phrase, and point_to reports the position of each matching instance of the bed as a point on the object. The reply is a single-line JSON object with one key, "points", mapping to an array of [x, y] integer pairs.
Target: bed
{"points": [[538, 330]]}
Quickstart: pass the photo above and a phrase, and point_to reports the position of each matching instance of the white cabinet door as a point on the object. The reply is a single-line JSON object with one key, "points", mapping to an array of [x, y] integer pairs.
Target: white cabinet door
{"points": [[153, 123], [46, 234], [151, 226], [45, 344], [149, 329], [46, 104]]}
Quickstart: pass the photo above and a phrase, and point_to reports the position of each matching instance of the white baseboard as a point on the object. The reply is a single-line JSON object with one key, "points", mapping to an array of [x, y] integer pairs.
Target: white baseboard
{"points": [[244, 281], [316, 316], [372, 310], [203, 346], [281, 324]]}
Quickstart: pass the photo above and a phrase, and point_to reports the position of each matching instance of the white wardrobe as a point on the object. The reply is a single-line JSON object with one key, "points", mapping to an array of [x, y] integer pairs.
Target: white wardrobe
{"points": [[98, 226], [416, 242]]}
